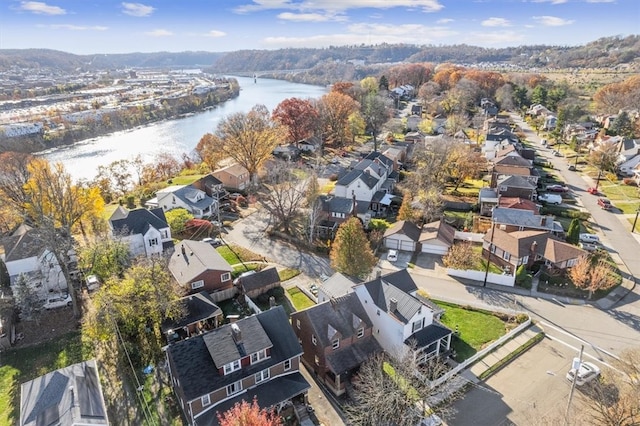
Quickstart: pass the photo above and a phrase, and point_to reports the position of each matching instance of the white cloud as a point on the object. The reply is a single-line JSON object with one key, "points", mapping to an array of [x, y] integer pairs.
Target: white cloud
{"points": [[600, 1], [41, 8], [72, 27], [310, 17], [444, 21], [496, 22], [137, 9], [493, 38], [159, 33], [338, 5], [552, 21], [215, 34], [550, 1]]}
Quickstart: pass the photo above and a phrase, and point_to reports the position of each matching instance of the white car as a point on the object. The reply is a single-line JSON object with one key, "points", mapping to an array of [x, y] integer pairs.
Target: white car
{"points": [[93, 283], [586, 373], [59, 301], [589, 238], [392, 256]]}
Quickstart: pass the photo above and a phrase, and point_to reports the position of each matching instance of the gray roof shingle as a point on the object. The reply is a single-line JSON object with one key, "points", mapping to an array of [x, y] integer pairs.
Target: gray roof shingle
{"points": [[260, 279], [192, 258]]}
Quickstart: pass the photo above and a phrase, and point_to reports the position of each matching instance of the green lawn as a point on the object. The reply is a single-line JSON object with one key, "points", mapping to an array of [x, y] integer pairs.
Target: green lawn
{"points": [[288, 273], [475, 329], [229, 255], [21, 365], [185, 180], [299, 299], [619, 192]]}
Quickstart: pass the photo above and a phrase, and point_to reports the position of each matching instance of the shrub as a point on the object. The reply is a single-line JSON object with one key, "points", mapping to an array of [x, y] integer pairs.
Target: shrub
{"points": [[629, 181], [333, 177]]}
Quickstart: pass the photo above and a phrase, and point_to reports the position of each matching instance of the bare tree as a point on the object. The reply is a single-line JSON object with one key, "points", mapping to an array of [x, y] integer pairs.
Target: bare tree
{"points": [[395, 390], [314, 216], [460, 256], [285, 194]]}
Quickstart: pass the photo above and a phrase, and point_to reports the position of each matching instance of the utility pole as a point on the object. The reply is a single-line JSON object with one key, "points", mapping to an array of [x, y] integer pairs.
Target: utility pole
{"points": [[635, 220], [573, 384], [486, 271]]}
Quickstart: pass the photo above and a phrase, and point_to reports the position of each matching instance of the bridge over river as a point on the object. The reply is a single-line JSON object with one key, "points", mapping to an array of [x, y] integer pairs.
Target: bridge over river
{"points": [[266, 72]]}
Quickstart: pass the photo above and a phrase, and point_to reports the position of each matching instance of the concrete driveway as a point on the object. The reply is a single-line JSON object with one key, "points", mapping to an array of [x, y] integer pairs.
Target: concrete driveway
{"points": [[404, 257]]}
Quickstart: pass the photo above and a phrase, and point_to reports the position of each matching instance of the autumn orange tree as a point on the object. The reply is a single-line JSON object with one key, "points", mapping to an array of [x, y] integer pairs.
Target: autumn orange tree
{"points": [[247, 138], [592, 273], [297, 116], [350, 252], [245, 414], [460, 256], [334, 111]]}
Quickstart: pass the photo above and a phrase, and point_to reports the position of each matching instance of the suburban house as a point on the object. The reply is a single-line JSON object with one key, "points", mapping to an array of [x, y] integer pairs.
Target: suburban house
{"points": [[487, 199], [25, 253], [414, 137], [197, 266], [188, 197], [400, 320], [550, 122], [287, 152], [373, 173], [253, 285], [70, 396], [212, 186], [145, 230], [436, 237], [402, 235], [538, 110], [518, 203], [336, 337], [510, 220], [233, 177], [200, 314], [515, 186], [413, 121], [525, 247], [513, 165], [254, 357]]}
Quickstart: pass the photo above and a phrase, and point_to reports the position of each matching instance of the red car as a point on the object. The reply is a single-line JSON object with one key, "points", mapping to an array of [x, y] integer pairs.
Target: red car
{"points": [[593, 191], [557, 188], [604, 203]]}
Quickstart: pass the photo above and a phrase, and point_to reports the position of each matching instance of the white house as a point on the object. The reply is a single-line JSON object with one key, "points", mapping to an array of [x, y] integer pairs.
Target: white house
{"points": [[401, 319], [25, 254], [197, 202], [146, 231]]}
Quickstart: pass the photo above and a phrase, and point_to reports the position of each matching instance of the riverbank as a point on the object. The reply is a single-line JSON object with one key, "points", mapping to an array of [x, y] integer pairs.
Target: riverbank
{"points": [[58, 132]]}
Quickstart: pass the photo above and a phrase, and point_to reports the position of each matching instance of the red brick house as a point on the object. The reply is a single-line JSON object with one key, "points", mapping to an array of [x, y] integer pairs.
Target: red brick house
{"points": [[198, 266]]}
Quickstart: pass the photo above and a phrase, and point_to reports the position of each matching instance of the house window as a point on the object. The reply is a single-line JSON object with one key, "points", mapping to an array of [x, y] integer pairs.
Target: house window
{"points": [[335, 344], [298, 324], [197, 284], [225, 277], [360, 332], [313, 339], [234, 388], [493, 249], [258, 356], [287, 364], [506, 255], [153, 242], [262, 376], [165, 233], [205, 400], [525, 260], [232, 366], [417, 325]]}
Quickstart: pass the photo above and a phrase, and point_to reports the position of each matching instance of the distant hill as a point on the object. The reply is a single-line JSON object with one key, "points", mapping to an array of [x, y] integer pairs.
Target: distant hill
{"points": [[603, 53], [68, 62]]}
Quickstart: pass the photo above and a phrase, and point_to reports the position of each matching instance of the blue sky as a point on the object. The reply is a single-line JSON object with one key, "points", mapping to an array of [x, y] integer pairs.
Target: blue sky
{"points": [[106, 26]]}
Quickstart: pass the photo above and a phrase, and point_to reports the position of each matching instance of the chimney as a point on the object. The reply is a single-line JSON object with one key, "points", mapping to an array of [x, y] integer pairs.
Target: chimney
{"points": [[393, 305], [378, 273], [237, 334]]}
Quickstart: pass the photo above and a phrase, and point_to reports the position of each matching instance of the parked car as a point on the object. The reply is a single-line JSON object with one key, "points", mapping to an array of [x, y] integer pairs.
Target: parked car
{"points": [[589, 238], [604, 203], [216, 242], [392, 256], [557, 188], [572, 168], [93, 283], [588, 246], [550, 199], [59, 301], [586, 373], [557, 153], [593, 191]]}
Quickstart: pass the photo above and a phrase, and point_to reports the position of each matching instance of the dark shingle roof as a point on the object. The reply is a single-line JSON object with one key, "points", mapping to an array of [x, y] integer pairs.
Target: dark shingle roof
{"points": [[191, 258], [225, 345], [23, 245], [383, 293], [351, 176], [428, 335], [198, 307], [331, 203], [404, 227], [260, 279], [343, 360], [139, 220], [192, 359]]}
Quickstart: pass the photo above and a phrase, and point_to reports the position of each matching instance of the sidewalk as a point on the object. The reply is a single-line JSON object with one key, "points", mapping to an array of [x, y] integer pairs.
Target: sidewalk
{"points": [[503, 351]]}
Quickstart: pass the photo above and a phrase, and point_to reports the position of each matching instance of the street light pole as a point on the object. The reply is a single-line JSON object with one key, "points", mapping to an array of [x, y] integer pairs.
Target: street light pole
{"points": [[573, 385]]}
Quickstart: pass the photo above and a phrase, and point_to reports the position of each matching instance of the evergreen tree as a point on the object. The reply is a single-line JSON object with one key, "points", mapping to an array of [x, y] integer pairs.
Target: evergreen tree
{"points": [[350, 253], [521, 274], [573, 233]]}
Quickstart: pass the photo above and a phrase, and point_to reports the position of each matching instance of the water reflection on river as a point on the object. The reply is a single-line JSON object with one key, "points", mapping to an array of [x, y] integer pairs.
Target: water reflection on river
{"points": [[174, 136]]}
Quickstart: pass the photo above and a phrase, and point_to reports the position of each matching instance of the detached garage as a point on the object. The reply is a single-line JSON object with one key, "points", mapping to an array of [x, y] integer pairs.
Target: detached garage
{"points": [[436, 237], [403, 235]]}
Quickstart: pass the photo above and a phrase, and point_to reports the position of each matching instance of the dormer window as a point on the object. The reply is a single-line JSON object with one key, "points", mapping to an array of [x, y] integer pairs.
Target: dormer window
{"points": [[231, 367], [335, 344], [258, 356]]}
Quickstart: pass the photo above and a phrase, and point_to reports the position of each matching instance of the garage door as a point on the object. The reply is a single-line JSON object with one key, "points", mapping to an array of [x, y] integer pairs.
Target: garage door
{"points": [[391, 243], [407, 245]]}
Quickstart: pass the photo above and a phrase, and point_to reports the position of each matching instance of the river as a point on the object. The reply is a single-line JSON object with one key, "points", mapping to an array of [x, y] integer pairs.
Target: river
{"points": [[177, 136]]}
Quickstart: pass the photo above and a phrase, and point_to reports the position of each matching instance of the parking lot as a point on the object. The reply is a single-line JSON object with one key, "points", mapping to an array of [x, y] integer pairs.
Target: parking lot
{"points": [[531, 390]]}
